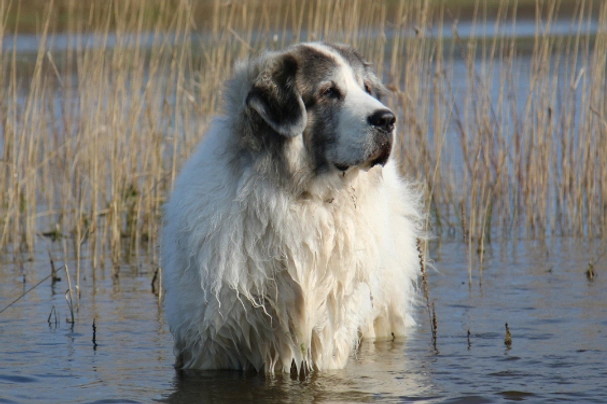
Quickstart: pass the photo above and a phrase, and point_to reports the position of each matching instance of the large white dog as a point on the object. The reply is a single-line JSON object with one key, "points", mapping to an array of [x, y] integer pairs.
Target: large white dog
{"points": [[289, 235]]}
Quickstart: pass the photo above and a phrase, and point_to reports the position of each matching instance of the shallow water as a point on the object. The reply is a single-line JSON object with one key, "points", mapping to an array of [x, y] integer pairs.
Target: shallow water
{"points": [[557, 317]]}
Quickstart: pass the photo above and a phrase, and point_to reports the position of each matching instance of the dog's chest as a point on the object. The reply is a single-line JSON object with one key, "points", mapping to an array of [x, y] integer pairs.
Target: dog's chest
{"points": [[334, 237]]}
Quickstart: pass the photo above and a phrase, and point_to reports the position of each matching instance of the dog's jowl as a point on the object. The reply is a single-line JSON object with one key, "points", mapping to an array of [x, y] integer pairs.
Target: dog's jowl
{"points": [[290, 235]]}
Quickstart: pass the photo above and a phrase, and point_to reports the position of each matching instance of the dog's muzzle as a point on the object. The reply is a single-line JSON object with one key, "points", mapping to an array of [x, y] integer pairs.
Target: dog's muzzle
{"points": [[380, 141]]}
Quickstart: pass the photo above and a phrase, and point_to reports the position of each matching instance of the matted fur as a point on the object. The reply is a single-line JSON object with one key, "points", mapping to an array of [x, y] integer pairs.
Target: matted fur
{"points": [[280, 248]]}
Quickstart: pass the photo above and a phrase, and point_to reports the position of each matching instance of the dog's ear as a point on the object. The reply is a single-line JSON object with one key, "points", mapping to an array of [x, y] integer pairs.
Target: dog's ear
{"points": [[274, 96]]}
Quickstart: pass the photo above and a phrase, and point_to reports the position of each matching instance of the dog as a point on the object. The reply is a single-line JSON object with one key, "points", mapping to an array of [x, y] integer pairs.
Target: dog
{"points": [[289, 235]]}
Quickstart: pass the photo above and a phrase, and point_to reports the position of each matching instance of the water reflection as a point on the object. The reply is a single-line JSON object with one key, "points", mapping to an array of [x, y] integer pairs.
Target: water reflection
{"points": [[379, 371]]}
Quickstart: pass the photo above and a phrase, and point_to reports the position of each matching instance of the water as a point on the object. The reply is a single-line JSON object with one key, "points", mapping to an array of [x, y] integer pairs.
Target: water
{"points": [[557, 317], [61, 42]]}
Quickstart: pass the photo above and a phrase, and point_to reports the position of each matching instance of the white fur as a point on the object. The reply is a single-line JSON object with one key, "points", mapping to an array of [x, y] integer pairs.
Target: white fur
{"points": [[258, 278]]}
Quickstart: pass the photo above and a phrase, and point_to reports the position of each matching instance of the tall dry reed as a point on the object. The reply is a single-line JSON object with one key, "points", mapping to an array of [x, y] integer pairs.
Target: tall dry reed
{"points": [[508, 136]]}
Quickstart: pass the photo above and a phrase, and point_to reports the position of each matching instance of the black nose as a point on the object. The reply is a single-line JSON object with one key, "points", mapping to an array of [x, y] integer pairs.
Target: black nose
{"points": [[382, 119]]}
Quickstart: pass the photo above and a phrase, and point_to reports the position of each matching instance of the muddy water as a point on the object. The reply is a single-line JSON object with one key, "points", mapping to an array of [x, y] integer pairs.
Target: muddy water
{"points": [[556, 315]]}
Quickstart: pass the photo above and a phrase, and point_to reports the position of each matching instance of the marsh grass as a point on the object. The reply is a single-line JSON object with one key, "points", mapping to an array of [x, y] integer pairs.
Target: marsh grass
{"points": [[506, 142], [508, 339]]}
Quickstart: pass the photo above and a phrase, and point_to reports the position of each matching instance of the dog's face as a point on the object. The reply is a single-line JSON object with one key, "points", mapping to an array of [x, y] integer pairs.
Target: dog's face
{"points": [[328, 95]]}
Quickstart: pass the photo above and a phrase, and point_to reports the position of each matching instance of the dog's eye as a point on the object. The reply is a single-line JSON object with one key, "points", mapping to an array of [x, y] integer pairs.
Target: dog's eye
{"points": [[330, 92], [368, 88]]}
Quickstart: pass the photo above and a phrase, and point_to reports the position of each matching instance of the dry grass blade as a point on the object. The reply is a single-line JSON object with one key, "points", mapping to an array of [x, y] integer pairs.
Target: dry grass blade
{"points": [[27, 291], [434, 329], [69, 296], [508, 339], [92, 136]]}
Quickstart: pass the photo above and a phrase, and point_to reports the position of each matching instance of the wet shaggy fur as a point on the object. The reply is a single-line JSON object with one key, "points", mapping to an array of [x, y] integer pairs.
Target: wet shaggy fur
{"points": [[289, 235]]}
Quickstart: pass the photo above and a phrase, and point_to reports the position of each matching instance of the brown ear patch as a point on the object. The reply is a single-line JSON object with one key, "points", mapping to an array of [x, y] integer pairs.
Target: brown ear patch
{"points": [[275, 97]]}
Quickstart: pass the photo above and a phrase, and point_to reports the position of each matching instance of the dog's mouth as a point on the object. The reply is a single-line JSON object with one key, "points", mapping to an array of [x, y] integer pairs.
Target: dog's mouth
{"points": [[381, 155], [342, 167]]}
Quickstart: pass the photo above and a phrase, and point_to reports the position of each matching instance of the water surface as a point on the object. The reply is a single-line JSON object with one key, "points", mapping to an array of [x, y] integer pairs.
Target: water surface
{"points": [[557, 318], [556, 315]]}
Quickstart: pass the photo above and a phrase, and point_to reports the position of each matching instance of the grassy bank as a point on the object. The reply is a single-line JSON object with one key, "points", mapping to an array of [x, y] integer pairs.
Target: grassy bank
{"points": [[92, 133]]}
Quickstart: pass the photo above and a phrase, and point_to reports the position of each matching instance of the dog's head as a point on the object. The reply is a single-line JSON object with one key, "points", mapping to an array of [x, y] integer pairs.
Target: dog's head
{"points": [[326, 97]]}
